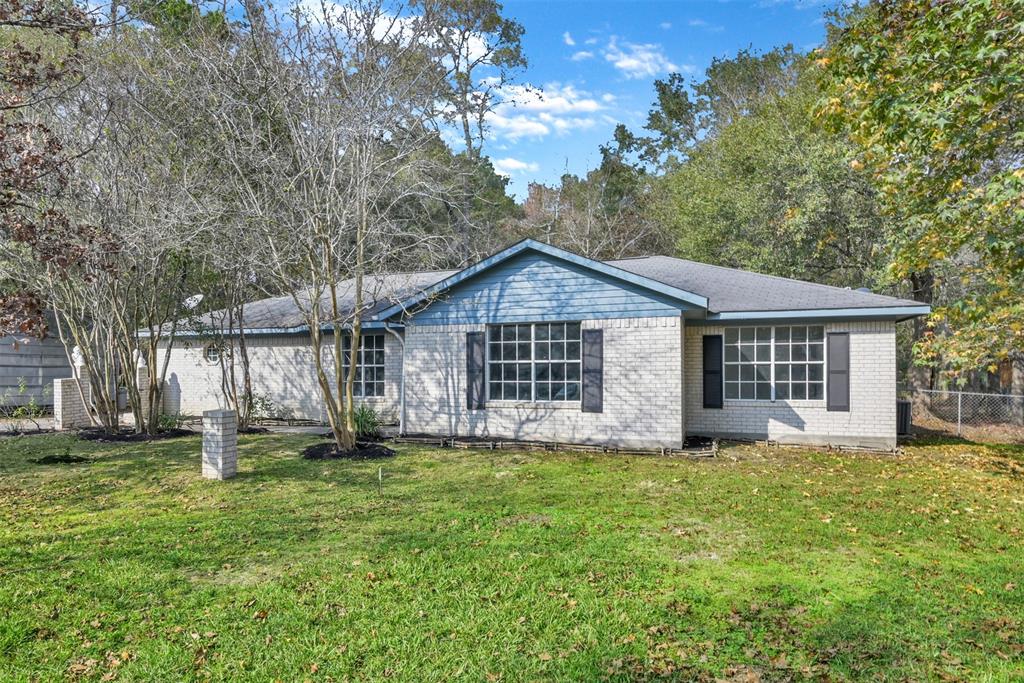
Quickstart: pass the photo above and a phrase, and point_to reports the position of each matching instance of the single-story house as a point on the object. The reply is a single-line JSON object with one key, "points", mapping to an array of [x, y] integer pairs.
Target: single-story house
{"points": [[538, 343]]}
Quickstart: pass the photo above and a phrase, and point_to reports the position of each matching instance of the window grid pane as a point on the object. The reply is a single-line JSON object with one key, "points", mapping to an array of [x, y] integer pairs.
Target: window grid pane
{"points": [[369, 379], [800, 363], [748, 369], [536, 362], [788, 360]]}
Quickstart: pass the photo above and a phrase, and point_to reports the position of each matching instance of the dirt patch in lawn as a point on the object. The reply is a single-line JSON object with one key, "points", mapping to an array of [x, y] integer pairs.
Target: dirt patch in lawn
{"points": [[362, 451], [60, 459], [529, 520], [126, 436]]}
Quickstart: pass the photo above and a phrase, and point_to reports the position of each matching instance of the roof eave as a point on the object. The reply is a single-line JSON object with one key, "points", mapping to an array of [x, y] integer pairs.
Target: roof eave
{"points": [[298, 329], [893, 313]]}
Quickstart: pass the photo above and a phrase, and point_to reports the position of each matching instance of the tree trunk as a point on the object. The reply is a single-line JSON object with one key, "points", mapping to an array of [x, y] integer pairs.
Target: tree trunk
{"points": [[1017, 386], [919, 377]]}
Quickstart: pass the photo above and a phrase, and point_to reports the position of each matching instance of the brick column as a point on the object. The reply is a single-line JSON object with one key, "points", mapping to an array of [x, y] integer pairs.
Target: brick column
{"points": [[68, 410], [220, 444], [142, 382]]}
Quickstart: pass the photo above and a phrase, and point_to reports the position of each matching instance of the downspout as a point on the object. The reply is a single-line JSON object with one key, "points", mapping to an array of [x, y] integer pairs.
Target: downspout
{"points": [[401, 382]]}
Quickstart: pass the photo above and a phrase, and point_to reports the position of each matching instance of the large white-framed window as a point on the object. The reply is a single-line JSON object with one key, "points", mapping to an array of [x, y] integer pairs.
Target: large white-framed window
{"points": [[369, 364], [800, 363], [536, 362], [748, 363], [765, 363]]}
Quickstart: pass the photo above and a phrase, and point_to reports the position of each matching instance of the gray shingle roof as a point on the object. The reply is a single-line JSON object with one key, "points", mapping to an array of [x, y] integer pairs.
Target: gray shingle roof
{"points": [[732, 290], [281, 313], [728, 290]]}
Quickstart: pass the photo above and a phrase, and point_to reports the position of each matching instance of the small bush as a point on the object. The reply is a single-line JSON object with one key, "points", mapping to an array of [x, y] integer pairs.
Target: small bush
{"points": [[367, 422], [168, 422], [264, 408]]}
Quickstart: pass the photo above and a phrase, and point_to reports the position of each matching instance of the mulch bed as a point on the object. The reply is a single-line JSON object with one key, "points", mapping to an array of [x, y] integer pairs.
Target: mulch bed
{"points": [[367, 439], [253, 430], [127, 436], [362, 451]]}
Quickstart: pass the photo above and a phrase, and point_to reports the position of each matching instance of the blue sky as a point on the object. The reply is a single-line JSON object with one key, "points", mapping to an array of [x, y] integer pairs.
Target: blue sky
{"points": [[596, 63]]}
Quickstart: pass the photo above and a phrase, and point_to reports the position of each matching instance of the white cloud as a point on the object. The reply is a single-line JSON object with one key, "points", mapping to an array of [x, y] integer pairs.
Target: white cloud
{"points": [[525, 111], [564, 125], [510, 165], [640, 60], [567, 37], [553, 98], [516, 127], [590, 41], [581, 55], [665, 25], [700, 23]]}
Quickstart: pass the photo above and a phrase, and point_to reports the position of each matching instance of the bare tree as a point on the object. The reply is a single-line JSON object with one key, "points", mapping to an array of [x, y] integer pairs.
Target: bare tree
{"points": [[589, 217], [137, 189], [329, 121]]}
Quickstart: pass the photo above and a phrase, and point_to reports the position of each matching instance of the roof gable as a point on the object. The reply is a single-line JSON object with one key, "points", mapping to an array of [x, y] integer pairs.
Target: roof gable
{"points": [[569, 276]]}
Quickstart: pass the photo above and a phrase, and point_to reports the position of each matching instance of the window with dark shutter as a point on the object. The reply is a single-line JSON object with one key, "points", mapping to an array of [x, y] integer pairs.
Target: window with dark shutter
{"points": [[475, 370], [712, 371], [838, 389], [593, 371]]}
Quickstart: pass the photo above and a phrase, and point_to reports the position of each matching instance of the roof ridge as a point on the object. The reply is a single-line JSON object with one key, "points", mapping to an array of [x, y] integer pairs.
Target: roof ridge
{"points": [[768, 275]]}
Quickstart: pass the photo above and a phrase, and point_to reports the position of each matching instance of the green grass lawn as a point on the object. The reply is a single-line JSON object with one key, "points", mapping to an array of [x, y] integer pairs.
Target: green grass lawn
{"points": [[764, 564]]}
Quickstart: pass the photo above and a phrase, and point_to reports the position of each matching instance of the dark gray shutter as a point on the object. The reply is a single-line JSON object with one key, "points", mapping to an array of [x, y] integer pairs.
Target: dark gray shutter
{"points": [[712, 371], [593, 371], [475, 371], [839, 371]]}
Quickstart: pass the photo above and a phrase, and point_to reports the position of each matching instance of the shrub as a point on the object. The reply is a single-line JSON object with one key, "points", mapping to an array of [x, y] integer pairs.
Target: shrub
{"points": [[264, 408], [367, 422], [167, 421]]}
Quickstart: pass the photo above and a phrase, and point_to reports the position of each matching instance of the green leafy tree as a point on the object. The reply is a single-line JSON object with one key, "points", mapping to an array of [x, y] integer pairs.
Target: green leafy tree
{"points": [[764, 186], [685, 114], [933, 94]]}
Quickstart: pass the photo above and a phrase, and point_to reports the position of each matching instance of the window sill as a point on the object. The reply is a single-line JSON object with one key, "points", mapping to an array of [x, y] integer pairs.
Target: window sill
{"points": [[533, 405]]}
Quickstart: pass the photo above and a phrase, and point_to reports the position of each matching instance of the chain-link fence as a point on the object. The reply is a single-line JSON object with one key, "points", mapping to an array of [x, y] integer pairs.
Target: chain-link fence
{"points": [[971, 414]]}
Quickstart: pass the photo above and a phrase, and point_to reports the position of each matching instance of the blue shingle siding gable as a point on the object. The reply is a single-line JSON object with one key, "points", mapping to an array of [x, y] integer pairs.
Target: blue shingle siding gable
{"points": [[538, 287]]}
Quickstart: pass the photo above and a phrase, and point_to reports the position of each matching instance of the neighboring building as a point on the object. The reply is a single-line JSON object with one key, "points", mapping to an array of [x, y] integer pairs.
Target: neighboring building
{"points": [[537, 343], [28, 367]]}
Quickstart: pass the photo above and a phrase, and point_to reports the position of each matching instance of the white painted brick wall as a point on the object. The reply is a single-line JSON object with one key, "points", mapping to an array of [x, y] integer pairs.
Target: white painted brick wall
{"points": [[642, 389], [220, 444], [281, 367], [68, 410], [871, 420], [643, 384]]}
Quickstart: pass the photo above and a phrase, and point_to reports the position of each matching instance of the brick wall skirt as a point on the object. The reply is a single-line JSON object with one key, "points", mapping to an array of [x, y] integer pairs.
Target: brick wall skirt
{"points": [[870, 422], [281, 367], [643, 404]]}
